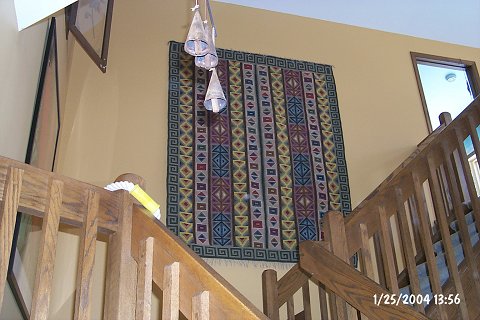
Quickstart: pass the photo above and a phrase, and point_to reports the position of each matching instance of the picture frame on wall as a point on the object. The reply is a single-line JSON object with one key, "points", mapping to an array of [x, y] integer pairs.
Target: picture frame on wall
{"points": [[90, 22], [41, 153]]}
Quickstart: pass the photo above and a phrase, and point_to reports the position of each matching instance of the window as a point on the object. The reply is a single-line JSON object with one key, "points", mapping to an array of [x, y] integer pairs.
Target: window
{"points": [[445, 85]]}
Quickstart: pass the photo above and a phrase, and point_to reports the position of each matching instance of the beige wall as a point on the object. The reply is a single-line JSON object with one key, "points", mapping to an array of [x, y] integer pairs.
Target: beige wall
{"points": [[117, 122], [20, 58], [20, 63]]}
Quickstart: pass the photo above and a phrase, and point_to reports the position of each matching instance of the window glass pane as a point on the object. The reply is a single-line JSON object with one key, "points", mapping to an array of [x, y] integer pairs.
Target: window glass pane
{"points": [[445, 89]]}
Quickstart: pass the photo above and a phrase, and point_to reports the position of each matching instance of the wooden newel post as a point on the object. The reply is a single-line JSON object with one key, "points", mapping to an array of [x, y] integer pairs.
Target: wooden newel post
{"points": [[135, 179], [334, 228], [132, 177], [270, 294], [121, 282], [445, 118]]}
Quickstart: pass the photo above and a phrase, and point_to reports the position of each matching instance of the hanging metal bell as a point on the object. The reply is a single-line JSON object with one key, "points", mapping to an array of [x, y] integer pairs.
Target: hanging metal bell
{"points": [[196, 43], [215, 99], [209, 60]]}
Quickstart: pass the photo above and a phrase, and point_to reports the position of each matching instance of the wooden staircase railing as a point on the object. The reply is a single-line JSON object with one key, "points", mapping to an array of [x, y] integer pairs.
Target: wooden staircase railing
{"points": [[141, 251], [390, 233]]}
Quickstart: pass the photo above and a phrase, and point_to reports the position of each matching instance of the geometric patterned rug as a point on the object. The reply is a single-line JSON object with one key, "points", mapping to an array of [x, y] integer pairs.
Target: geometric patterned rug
{"points": [[254, 180]]}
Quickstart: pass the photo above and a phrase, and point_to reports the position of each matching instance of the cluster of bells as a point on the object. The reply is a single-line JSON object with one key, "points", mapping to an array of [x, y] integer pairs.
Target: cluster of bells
{"points": [[200, 44]]}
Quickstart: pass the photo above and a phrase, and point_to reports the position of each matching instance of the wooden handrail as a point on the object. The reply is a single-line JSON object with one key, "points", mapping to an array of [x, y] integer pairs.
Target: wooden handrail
{"points": [[140, 250], [55, 199], [196, 275], [350, 284], [35, 189], [400, 176], [404, 222]]}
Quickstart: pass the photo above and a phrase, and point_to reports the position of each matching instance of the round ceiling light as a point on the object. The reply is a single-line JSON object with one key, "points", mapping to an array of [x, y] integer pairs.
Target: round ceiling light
{"points": [[450, 77]]}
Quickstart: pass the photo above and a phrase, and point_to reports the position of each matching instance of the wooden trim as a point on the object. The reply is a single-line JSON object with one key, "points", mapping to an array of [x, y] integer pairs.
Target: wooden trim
{"points": [[8, 214], [349, 284], [414, 56], [46, 257]]}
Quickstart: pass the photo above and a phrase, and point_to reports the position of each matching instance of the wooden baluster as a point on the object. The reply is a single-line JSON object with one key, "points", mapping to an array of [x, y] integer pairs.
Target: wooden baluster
{"points": [[444, 231], [472, 129], [413, 219], [468, 178], [120, 292], [8, 215], [86, 259], [379, 259], [459, 215], [46, 256], [307, 309], [408, 247], [290, 309], [367, 266], [387, 252], [270, 294], [144, 280], [171, 291], [322, 295], [201, 306], [335, 235], [426, 238]]}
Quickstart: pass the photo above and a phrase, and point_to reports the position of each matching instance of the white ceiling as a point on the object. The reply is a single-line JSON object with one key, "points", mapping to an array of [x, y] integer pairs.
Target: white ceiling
{"points": [[450, 21]]}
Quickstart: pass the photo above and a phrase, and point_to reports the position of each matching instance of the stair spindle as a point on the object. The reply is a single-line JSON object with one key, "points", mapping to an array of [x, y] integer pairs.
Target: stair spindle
{"points": [[444, 231], [46, 256], [307, 310], [387, 252], [201, 306], [171, 291], [144, 280], [86, 258], [465, 167], [290, 309], [426, 237], [8, 215], [408, 247], [460, 217]]}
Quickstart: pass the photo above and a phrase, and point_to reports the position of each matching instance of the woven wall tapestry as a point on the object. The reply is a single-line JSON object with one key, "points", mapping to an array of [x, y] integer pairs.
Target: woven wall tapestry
{"points": [[253, 181]]}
